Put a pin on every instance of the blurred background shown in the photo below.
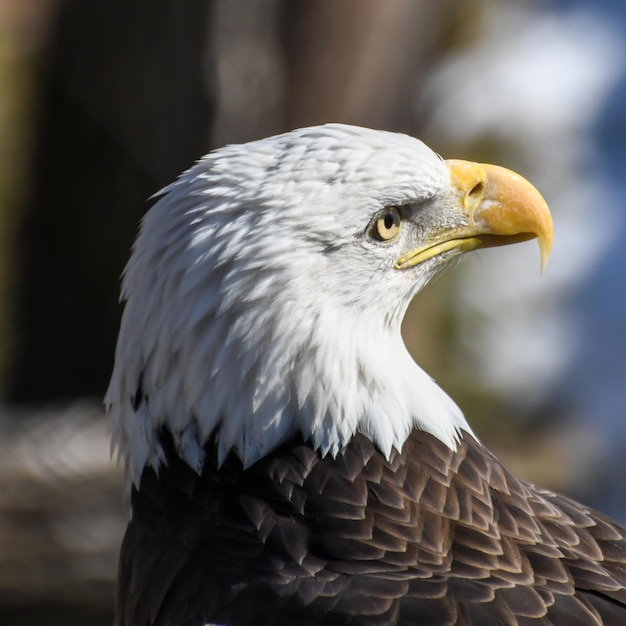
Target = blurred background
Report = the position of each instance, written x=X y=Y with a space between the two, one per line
x=103 y=102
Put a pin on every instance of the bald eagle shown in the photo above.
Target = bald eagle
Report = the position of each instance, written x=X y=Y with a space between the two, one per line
x=289 y=463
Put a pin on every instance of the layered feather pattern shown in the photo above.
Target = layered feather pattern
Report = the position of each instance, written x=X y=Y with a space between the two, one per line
x=428 y=536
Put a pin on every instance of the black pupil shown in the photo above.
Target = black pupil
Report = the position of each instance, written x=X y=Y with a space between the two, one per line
x=390 y=220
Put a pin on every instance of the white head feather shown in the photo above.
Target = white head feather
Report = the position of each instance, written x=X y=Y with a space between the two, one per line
x=258 y=306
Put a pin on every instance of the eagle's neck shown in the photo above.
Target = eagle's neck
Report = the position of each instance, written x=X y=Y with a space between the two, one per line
x=254 y=381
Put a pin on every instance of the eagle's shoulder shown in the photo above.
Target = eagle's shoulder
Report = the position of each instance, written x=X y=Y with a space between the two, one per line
x=450 y=536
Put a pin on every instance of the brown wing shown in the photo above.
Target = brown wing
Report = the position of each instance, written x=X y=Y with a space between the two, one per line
x=430 y=536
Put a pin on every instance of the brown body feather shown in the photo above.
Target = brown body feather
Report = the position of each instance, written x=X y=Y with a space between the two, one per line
x=428 y=537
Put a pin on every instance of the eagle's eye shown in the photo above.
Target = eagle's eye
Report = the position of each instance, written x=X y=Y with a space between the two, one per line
x=387 y=225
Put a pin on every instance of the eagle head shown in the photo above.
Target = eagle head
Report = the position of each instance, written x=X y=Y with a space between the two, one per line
x=265 y=292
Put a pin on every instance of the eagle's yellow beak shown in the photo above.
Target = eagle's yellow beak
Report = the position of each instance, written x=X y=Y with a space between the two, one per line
x=496 y=206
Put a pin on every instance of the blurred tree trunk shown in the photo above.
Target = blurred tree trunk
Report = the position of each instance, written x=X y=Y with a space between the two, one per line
x=360 y=63
x=123 y=109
